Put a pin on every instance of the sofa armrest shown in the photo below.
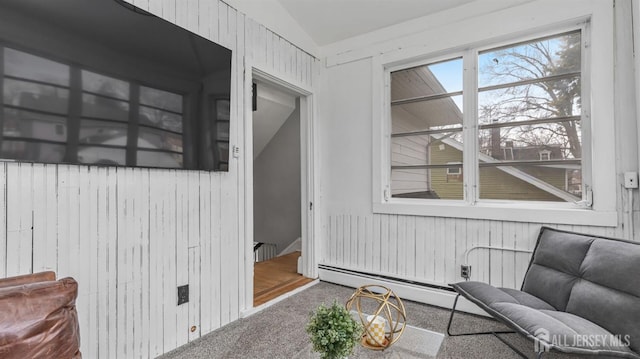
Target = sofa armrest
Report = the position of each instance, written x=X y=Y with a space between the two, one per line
x=39 y=320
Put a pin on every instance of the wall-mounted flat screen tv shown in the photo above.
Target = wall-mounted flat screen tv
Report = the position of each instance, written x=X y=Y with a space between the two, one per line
x=102 y=82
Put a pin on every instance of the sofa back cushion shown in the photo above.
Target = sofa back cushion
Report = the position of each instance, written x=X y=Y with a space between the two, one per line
x=555 y=266
x=593 y=277
x=608 y=292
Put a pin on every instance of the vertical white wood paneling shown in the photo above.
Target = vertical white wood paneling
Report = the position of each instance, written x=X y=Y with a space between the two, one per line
x=169 y=242
x=214 y=22
x=131 y=236
x=368 y=239
x=203 y=13
x=182 y=254
x=392 y=249
x=216 y=254
x=85 y=242
x=353 y=234
x=384 y=243
x=224 y=37
x=194 y=255
x=143 y=4
x=243 y=250
x=431 y=249
x=206 y=259
x=112 y=260
x=192 y=15
x=19 y=216
x=156 y=267
x=44 y=217
x=401 y=245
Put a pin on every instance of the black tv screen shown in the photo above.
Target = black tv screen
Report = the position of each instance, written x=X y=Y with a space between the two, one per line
x=104 y=83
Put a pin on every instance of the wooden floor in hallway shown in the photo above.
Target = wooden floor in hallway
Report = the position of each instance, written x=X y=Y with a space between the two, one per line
x=275 y=277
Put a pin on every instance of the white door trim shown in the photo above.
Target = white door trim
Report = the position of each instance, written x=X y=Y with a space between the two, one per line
x=307 y=165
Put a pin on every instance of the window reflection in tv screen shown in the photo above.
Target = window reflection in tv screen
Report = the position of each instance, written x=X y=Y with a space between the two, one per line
x=102 y=82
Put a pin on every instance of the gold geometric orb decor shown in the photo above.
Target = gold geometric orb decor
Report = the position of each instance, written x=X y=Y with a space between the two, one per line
x=382 y=315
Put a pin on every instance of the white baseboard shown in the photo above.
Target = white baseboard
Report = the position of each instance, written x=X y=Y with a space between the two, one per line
x=421 y=294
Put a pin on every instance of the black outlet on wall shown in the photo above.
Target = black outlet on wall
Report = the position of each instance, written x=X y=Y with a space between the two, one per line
x=183 y=294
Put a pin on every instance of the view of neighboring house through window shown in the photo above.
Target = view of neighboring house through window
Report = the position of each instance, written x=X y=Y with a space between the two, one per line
x=53 y=112
x=426 y=131
x=527 y=124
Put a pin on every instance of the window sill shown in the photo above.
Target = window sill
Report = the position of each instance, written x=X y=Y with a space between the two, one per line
x=501 y=211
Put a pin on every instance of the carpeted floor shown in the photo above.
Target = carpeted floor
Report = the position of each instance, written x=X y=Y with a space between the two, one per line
x=278 y=332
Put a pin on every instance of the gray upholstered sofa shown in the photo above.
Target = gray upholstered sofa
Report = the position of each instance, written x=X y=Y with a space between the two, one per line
x=580 y=295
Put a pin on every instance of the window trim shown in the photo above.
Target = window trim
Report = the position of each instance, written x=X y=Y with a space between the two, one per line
x=580 y=213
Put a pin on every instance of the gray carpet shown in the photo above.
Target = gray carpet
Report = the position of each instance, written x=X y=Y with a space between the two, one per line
x=278 y=332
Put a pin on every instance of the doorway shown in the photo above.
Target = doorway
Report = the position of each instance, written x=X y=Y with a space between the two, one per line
x=278 y=188
x=277 y=224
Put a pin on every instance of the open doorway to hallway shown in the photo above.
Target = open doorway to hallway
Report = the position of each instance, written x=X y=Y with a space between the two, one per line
x=277 y=188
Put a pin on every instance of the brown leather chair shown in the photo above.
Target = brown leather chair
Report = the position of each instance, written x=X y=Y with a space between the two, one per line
x=38 y=317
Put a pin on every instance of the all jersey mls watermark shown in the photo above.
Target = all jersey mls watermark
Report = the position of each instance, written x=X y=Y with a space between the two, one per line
x=545 y=340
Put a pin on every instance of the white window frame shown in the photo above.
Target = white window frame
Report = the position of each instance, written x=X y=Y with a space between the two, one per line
x=602 y=213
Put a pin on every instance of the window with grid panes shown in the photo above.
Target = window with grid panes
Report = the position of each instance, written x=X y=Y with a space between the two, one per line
x=527 y=98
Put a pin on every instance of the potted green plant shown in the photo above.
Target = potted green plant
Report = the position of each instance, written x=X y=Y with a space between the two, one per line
x=333 y=331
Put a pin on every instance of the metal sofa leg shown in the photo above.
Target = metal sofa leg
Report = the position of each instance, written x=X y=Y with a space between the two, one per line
x=494 y=333
x=455 y=303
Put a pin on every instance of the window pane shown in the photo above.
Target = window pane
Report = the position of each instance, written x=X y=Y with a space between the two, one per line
x=541 y=58
x=444 y=113
x=159 y=159
x=36 y=96
x=101 y=155
x=105 y=85
x=432 y=183
x=158 y=139
x=160 y=99
x=436 y=149
x=439 y=78
x=27 y=66
x=106 y=108
x=35 y=125
x=552 y=141
x=418 y=161
x=103 y=133
x=543 y=99
x=32 y=151
x=531 y=182
x=161 y=119
x=535 y=84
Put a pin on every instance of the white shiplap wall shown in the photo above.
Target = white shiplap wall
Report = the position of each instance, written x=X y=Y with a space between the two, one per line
x=431 y=249
x=131 y=236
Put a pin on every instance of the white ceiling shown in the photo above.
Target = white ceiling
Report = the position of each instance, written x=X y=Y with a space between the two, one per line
x=328 y=21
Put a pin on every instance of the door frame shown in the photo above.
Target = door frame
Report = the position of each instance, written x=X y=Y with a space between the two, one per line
x=307 y=176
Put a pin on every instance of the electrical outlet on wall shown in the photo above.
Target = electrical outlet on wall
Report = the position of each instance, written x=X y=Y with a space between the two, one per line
x=631 y=180
x=465 y=271
x=183 y=294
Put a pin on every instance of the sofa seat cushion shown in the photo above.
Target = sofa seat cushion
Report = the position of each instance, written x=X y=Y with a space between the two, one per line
x=539 y=321
x=485 y=294
x=562 y=331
